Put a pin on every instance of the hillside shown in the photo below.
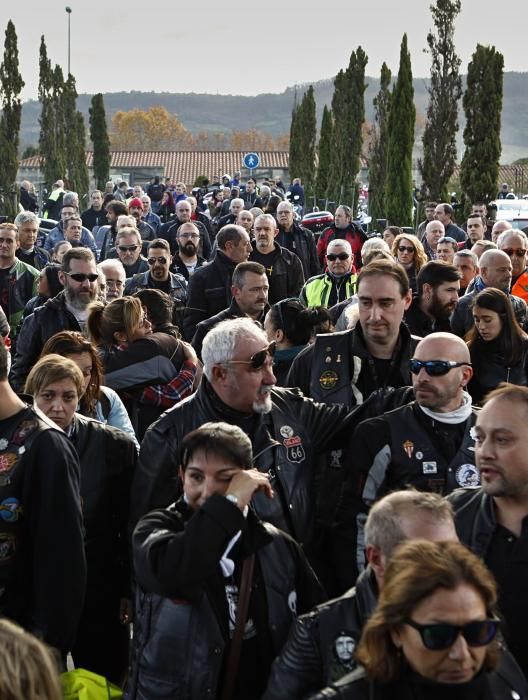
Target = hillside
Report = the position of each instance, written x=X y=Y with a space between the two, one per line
x=271 y=112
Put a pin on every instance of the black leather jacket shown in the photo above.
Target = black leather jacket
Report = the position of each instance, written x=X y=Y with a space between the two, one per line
x=315 y=654
x=301 y=241
x=180 y=640
x=284 y=444
x=45 y=321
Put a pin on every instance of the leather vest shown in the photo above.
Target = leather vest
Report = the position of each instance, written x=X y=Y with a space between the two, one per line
x=415 y=459
x=335 y=370
x=31 y=424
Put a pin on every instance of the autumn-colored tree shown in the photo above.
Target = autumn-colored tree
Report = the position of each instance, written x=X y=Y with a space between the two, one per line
x=153 y=130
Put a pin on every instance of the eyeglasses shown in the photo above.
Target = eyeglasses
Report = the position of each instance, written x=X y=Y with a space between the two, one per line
x=114 y=283
x=337 y=256
x=518 y=252
x=161 y=259
x=435 y=368
x=81 y=277
x=258 y=360
x=439 y=636
x=144 y=321
x=127 y=248
x=405 y=249
x=187 y=236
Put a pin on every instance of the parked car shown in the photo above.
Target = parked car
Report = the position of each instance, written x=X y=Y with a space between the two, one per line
x=510 y=209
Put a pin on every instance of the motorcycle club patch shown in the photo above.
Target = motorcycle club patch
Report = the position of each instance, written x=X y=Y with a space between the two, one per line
x=429 y=468
x=344 y=646
x=408 y=447
x=294 y=449
x=10 y=509
x=286 y=431
x=328 y=379
x=468 y=476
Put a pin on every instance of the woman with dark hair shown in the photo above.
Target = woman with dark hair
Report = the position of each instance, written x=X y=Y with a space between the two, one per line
x=409 y=252
x=291 y=325
x=390 y=233
x=99 y=402
x=48 y=286
x=150 y=371
x=167 y=207
x=433 y=634
x=497 y=344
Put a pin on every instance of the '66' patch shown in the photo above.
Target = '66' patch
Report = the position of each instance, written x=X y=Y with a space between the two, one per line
x=294 y=449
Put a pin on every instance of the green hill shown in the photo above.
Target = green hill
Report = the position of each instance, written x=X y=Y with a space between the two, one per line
x=271 y=112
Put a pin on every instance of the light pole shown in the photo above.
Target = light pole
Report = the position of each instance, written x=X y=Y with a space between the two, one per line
x=68 y=10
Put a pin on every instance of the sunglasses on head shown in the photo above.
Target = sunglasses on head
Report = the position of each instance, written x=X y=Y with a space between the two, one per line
x=337 y=256
x=406 y=249
x=435 y=368
x=439 y=636
x=81 y=277
x=518 y=252
x=258 y=360
x=127 y=248
x=161 y=259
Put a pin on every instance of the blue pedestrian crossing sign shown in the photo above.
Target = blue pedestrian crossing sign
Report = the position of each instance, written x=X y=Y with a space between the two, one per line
x=251 y=161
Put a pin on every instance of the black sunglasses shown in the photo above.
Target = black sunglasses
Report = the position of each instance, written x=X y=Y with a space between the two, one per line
x=162 y=260
x=81 y=277
x=518 y=252
x=435 y=368
x=335 y=256
x=441 y=635
x=127 y=248
x=258 y=360
x=406 y=249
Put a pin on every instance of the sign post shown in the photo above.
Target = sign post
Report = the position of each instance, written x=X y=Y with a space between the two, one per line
x=251 y=161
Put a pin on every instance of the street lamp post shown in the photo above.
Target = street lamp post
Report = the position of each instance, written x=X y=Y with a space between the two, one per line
x=68 y=10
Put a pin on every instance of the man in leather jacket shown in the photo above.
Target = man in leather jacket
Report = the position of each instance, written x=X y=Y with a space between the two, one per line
x=286 y=429
x=427 y=443
x=491 y=521
x=190 y=562
x=321 y=644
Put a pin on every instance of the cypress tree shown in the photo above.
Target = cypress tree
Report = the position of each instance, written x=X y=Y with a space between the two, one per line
x=295 y=155
x=482 y=102
x=308 y=133
x=398 y=186
x=47 y=138
x=348 y=109
x=326 y=145
x=100 y=140
x=11 y=85
x=75 y=143
x=378 y=157
x=445 y=90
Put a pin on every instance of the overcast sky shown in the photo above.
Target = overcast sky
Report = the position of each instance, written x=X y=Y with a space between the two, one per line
x=248 y=47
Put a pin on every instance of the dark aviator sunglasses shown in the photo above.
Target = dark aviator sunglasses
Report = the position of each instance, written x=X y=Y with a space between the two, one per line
x=435 y=368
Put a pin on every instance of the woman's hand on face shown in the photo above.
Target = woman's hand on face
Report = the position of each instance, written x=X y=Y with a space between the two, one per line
x=247 y=482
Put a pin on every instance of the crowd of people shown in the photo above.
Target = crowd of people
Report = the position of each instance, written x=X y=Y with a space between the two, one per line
x=242 y=461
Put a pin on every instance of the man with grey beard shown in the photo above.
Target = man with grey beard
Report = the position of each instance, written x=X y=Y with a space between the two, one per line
x=67 y=311
x=286 y=429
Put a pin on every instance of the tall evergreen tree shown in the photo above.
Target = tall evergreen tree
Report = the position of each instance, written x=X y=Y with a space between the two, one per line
x=59 y=102
x=47 y=139
x=482 y=104
x=378 y=156
x=295 y=155
x=308 y=127
x=100 y=140
x=325 y=149
x=398 y=187
x=445 y=90
x=75 y=143
x=11 y=85
x=348 y=108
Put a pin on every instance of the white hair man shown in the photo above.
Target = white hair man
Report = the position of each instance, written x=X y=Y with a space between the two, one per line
x=115 y=275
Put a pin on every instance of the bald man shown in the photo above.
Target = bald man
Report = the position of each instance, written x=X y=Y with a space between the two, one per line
x=495 y=270
x=427 y=443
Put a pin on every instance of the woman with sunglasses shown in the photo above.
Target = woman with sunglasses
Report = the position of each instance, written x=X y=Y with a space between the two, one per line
x=433 y=635
x=410 y=253
x=290 y=325
x=497 y=344
x=150 y=371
